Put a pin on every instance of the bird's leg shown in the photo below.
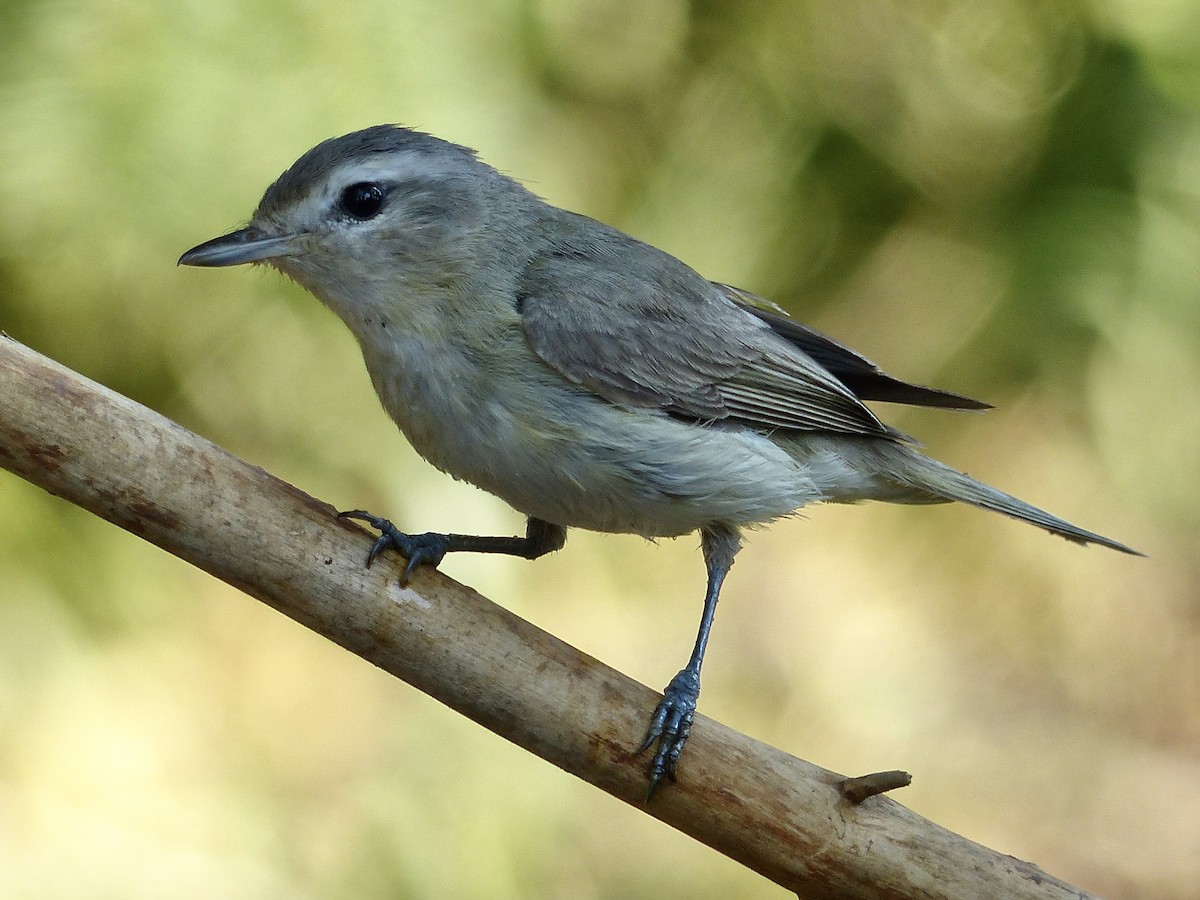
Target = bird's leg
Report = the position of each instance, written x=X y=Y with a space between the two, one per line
x=428 y=549
x=672 y=720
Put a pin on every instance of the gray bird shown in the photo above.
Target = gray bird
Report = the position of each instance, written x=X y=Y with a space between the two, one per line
x=588 y=379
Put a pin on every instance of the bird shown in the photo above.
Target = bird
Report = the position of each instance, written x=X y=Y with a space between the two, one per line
x=587 y=378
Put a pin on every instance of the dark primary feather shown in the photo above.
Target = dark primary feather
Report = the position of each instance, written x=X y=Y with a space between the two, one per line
x=638 y=327
x=863 y=377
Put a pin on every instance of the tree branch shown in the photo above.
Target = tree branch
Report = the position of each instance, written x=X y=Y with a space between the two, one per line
x=785 y=818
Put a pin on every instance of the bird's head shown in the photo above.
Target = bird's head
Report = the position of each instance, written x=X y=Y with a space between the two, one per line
x=386 y=208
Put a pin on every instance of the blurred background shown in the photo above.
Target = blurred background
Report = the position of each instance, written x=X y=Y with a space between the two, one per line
x=1000 y=199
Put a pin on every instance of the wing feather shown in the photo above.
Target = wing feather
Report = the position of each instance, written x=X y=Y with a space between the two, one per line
x=638 y=327
x=858 y=373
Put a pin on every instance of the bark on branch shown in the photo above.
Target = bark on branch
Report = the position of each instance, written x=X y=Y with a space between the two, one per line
x=779 y=815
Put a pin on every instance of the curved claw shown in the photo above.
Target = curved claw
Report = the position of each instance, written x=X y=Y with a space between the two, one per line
x=423 y=550
x=419 y=549
x=383 y=543
x=671 y=725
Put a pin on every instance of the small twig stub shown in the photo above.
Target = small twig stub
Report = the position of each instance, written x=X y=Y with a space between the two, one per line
x=858 y=789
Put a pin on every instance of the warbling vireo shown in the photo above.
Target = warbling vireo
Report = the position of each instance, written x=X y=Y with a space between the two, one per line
x=588 y=379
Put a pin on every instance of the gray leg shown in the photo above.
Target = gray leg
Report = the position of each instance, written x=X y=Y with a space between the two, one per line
x=429 y=548
x=672 y=720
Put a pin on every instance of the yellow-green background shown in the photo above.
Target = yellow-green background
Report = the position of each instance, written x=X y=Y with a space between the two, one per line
x=1000 y=198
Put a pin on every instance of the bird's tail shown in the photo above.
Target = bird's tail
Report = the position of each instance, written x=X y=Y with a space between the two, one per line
x=940 y=482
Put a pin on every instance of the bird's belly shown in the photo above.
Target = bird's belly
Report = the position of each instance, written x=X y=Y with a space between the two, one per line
x=579 y=461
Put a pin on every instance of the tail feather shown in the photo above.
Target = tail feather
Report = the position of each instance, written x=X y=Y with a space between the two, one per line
x=943 y=482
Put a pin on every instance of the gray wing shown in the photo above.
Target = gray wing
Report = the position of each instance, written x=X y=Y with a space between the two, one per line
x=638 y=327
x=855 y=371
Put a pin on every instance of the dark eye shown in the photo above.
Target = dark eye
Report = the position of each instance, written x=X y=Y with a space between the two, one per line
x=363 y=200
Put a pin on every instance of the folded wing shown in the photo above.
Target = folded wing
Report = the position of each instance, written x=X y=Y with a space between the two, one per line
x=638 y=327
x=855 y=371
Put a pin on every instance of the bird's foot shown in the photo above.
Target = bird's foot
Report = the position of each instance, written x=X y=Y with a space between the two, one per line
x=670 y=726
x=419 y=549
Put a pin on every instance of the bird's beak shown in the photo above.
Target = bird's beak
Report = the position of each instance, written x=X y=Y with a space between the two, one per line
x=246 y=245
